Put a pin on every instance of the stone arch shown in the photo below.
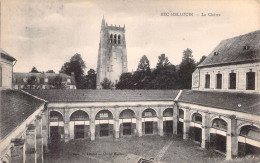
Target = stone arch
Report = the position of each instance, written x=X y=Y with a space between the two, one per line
x=80 y=115
x=104 y=112
x=153 y=112
x=219 y=123
x=57 y=114
x=100 y=109
x=155 y=109
x=129 y=113
x=196 y=117
x=168 y=112
x=6 y=158
x=239 y=127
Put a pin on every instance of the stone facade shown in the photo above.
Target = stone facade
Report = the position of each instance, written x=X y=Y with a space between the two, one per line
x=112 y=57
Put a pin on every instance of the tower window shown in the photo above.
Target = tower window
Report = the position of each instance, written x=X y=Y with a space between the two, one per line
x=250 y=80
x=219 y=81
x=107 y=69
x=232 y=80
x=115 y=38
x=111 y=69
x=119 y=39
x=0 y=76
x=207 y=79
x=111 y=38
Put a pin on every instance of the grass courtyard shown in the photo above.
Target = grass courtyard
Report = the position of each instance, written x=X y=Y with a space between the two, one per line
x=156 y=148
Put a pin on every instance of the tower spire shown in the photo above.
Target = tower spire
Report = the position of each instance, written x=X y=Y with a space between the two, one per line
x=103 y=21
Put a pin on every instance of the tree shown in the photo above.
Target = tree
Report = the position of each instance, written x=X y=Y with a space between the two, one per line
x=50 y=71
x=202 y=59
x=34 y=70
x=76 y=65
x=31 y=83
x=144 y=64
x=125 y=81
x=89 y=82
x=162 y=61
x=107 y=84
x=187 y=67
x=57 y=83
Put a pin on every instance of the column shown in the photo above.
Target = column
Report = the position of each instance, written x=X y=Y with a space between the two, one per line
x=44 y=131
x=66 y=125
x=205 y=130
x=186 y=124
x=31 y=144
x=92 y=125
x=17 y=150
x=139 y=124
x=116 y=123
x=232 y=142
x=39 y=142
x=175 y=119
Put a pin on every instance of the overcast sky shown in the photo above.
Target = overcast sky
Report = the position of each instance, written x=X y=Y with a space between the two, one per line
x=46 y=33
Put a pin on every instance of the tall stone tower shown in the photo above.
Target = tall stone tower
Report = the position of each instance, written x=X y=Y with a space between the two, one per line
x=112 y=58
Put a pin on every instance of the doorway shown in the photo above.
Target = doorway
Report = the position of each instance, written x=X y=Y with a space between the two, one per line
x=127 y=128
x=104 y=130
x=148 y=127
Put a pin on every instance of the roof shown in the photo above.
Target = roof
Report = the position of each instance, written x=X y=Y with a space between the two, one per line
x=7 y=56
x=19 y=76
x=242 y=102
x=233 y=51
x=105 y=95
x=16 y=107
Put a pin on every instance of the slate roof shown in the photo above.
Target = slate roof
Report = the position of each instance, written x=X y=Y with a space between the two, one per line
x=7 y=56
x=16 y=107
x=104 y=95
x=233 y=51
x=242 y=102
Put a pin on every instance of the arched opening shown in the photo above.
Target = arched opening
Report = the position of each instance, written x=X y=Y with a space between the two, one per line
x=104 y=123
x=180 y=123
x=218 y=140
x=195 y=130
x=127 y=121
x=56 y=129
x=115 y=39
x=119 y=39
x=111 y=38
x=149 y=124
x=250 y=137
x=168 y=121
x=79 y=122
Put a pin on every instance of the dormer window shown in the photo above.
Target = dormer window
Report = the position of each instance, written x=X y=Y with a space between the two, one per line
x=246 y=47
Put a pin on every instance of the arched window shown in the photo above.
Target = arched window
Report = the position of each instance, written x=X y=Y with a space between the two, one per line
x=250 y=131
x=119 y=39
x=219 y=124
x=181 y=113
x=125 y=114
x=115 y=38
x=104 y=114
x=148 y=113
x=111 y=38
x=79 y=116
x=55 y=116
x=197 y=118
x=168 y=112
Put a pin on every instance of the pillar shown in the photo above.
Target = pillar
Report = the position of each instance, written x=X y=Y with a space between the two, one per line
x=31 y=144
x=66 y=125
x=92 y=125
x=116 y=123
x=39 y=141
x=44 y=131
x=17 y=150
x=139 y=124
x=186 y=123
x=232 y=142
x=175 y=119
x=205 y=130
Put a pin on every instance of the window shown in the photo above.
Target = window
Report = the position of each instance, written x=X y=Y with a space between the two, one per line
x=103 y=115
x=207 y=79
x=0 y=76
x=115 y=39
x=107 y=69
x=232 y=80
x=219 y=124
x=219 y=81
x=250 y=80
x=148 y=114
x=119 y=39
x=197 y=118
x=111 y=38
x=181 y=113
x=111 y=68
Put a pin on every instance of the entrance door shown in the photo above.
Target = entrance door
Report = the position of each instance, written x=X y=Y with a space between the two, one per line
x=104 y=130
x=218 y=142
x=127 y=128
x=197 y=134
x=79 y=131
x=180 y=129
x=169 y=127
x=148 y=127
x=54 y=133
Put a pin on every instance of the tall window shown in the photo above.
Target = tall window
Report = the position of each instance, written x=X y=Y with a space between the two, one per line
x=219 y=81
x=1 y=77
x=119 y=39
x=232 y=80
x=111 y=38
x=207 y=79
x=250 y=80
x=115 y=38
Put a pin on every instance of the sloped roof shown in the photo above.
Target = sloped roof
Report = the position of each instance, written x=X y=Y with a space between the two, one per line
x=16 y=107
x=242 y=102
x=104 y=95
x=7 y=56
x=233 y=51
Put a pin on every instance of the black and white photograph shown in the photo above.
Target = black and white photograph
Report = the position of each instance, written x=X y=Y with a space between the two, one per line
x=138 y=81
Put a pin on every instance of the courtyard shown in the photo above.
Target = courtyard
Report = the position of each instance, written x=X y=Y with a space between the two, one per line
x=155 y=148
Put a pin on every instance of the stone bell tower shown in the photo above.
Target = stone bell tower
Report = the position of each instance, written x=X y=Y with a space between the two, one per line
x=112 y=58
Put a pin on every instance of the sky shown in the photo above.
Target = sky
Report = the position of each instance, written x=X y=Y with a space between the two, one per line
x=47 y=33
